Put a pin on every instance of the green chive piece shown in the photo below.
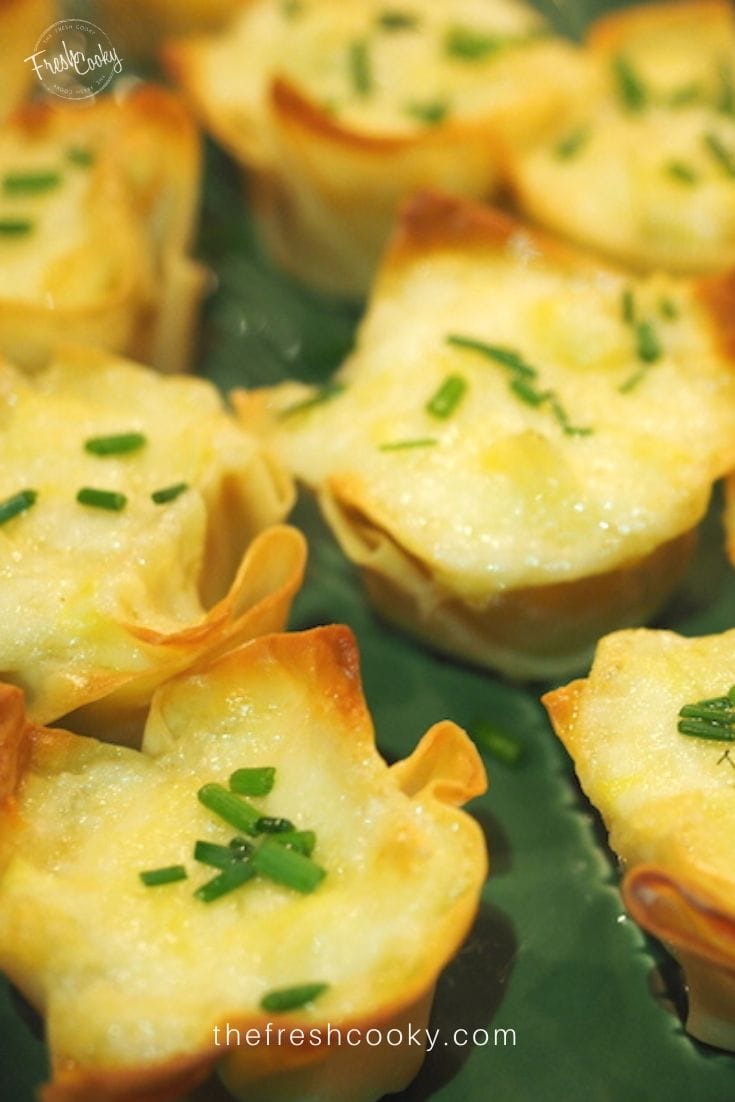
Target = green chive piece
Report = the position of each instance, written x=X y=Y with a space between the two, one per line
x=253 y=782
x=679 y=170
x=154 y=877
x=240 y=847
x=228 y=806
x=30 y=183
x=683 y=96
x=499 y=744
x=724 y=157
x=17 y=503
x=631 y=90
x=80 y=156
x=303 y=841
x=221 y=857
x=102 y=499
x=726 y=98
x=710 y=712
x=668 y=309
x=648 y=344
x=528 y=393
x=627 y=306
x=469 y=44
x=445 y=400
x=234 y=876
x=403 y=445
x=505 y=356
x=324 y=394
x=286 y=866
x=431 y=113
x=633 y=380
x=270 y=824
x=291 y=8
x=393 y=20
x=169 y=493
x=572 y=143
x=361 y=73
x=567 y=427
x=119 y=444
x=292 y=998
x=698 y=728
x=15 y=227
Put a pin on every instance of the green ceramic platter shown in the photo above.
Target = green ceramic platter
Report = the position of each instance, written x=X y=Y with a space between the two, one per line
x=592 y=1002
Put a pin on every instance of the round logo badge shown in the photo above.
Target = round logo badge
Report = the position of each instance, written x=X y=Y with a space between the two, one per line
x=74 y=59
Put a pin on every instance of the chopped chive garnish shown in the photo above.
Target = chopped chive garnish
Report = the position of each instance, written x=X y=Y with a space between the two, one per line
x=631 y=90
x=648 y=344
x=469 y=44
x=169 y=875
x=102 y=499
x=633 y=380
x=221 y=857
x=726 y=97
x=521 y=380
x=724 y=157
x=445 y=400
x=505 y=356
x=234 y=876
x=286 y=866
x=270 y=824
x=432 y=112
x=169 y=493
x=15 y=227
x=324 y=394
x=361 y=73
x=15 y=504
x=567 y=427
x=303 y=841
x=668 y=309
x=572 y=143
x=80 y=156
x=402 y=445
x=683 y=96
x=679 y=170
x=291 y=8
x=240 y=847
x=292 y=998
x=710 y=719
x=229 y=807
x=499 y=744
x=30 y=183
x=253 y=782
x=119 y=444
x=627 y=306
x=393 y=20
x=528 y=392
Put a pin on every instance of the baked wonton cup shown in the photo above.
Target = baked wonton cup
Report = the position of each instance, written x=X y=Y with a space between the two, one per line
x=101 y=602
x=21 y=22
x=642 y=167
x=145 y=990
x=340 y=110
x=666 y=798
x=95 y=228
x=522 y=442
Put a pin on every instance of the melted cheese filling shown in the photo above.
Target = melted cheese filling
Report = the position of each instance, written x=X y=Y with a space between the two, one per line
x=504 y=498
x=128 y=973
x=82 y=236
x=625 y=189
x=405 y=69
x=69 y=574
x=666 y=797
